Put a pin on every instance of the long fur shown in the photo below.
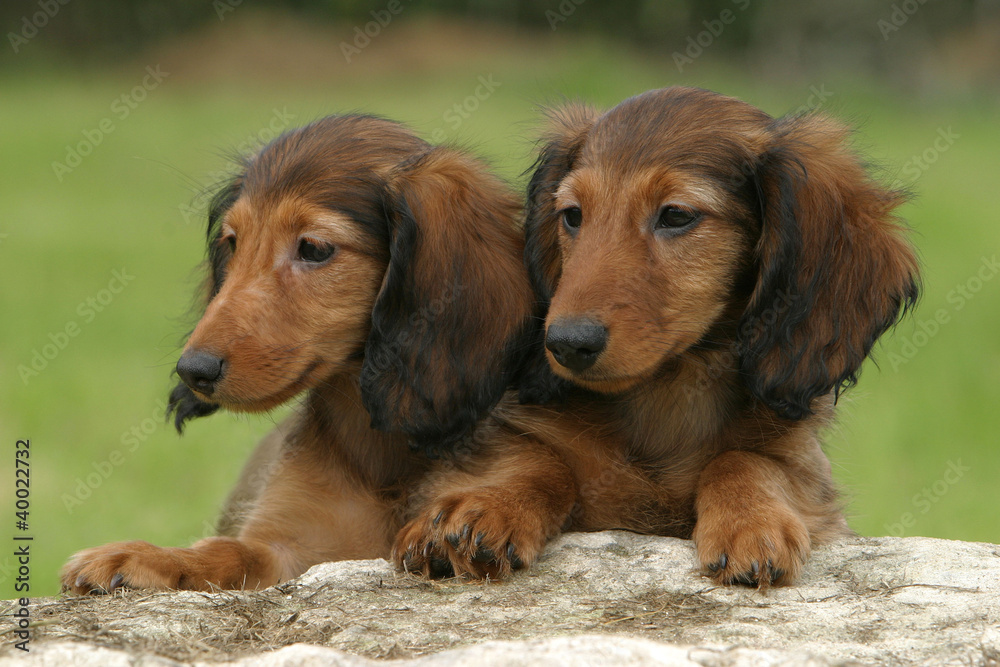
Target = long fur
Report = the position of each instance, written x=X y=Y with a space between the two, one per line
x=396 y=346
x=728 y=342
x=740 y=268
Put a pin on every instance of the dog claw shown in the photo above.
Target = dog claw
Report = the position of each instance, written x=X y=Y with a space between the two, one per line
x=515 y=561
x=116 y=582
x=441 y=568
x=483 y=555
x=719 y=564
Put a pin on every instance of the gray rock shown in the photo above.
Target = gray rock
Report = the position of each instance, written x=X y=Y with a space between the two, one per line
x=610 y=598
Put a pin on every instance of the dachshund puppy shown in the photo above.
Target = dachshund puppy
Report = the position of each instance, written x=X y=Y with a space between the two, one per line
x=381 y=276
x=709 y=278
x=714 y=278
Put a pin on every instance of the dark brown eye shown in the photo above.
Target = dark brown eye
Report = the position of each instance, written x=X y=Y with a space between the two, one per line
x=312 y=251
x=231 y=241
x=676 y=218
x=572 y=219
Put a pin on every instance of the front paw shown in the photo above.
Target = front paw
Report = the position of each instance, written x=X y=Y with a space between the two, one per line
x=135 y=564
x=479 y=535
x=762 y=547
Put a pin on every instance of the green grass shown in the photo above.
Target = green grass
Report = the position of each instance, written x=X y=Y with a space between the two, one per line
x=122 y=208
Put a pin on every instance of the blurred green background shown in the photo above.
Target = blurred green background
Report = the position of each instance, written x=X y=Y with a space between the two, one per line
x=116 y=117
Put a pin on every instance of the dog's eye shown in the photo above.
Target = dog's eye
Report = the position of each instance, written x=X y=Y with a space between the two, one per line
x=310 y=251
x=230 y=239
x=675 y=218
x=572 y=219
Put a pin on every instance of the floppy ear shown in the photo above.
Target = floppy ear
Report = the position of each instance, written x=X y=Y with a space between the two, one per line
x=449 y=320
x=834 y=269
x=183 y=404
x=567 y=130
x=566 y=133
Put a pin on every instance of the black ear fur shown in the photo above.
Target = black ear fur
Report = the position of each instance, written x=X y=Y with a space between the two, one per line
x=454 y=305
x=568 y=130
x=183 y=404
x=218 y=253
x=834 y=270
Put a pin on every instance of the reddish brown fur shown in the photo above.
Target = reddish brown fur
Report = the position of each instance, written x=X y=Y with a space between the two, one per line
x=726 y=343
x=442 y=285
x=726 y=347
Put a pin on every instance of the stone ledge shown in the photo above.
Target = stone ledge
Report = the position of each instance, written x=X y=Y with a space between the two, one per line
x=598 y=598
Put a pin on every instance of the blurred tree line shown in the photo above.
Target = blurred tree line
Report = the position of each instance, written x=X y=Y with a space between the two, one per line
x=773 y=34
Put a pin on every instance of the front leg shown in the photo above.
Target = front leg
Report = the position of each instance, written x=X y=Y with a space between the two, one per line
x=489 y=518
x=310 y=511
x=215 y=562
x=758 y=517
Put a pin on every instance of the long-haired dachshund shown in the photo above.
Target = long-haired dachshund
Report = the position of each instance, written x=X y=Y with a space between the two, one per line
x=709 y=277
x=714 y=277
x=352 y=261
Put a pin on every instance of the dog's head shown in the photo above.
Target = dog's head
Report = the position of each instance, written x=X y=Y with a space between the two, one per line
x=352 y=246
x=681 y=215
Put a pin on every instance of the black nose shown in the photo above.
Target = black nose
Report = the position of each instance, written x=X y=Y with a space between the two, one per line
x=576 y=343
x=199 y=370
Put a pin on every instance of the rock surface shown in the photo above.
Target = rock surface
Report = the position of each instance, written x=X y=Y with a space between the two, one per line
x=609 y=598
